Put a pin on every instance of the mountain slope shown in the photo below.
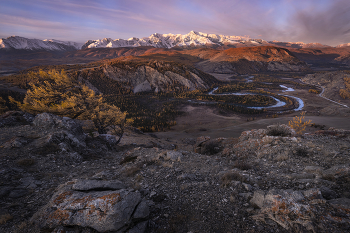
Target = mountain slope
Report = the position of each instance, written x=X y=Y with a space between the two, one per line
x=17 y=42
x=252 y=60
x=156 y=40
x=135 y=75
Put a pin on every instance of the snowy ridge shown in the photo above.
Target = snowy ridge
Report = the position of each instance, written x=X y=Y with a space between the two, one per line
x=167 y=40
x=343 y=45
x=155 y=40
x=298 y=45
x=17 y=42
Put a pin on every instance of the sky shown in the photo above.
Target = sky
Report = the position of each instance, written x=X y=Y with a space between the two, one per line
x=322 y=21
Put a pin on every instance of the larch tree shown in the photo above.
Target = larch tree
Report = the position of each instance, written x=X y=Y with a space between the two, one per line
x=55 y=92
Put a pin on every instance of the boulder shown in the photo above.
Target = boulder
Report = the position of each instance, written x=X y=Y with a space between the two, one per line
x=50 y=121
x=173 y=156
x=79 y=203
x=108 y=138
x=13 y=118
x=287 y=208
x=62 y=132
x=341 y=203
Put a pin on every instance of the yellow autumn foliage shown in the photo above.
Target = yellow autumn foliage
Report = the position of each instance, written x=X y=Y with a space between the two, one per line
x=55 y=92
x=299 y=124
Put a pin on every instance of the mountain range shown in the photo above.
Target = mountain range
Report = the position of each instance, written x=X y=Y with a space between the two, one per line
x=155 y=40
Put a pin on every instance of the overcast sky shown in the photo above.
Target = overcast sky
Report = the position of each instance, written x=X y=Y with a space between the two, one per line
x=323 y=21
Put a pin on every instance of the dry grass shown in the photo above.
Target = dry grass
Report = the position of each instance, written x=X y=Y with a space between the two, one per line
x=131 y=170
x=242 y=165
x=278 y=130
x=4 y=218
x=25 y=162
x=227 y=178
x=128 y=159
x=282 y=157
x=48 y=149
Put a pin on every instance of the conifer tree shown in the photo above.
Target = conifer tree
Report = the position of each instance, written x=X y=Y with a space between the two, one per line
x=3 y=107
x=55 y=92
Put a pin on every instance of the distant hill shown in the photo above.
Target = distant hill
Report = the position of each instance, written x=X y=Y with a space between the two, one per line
x=252 y=60
x=137 y=74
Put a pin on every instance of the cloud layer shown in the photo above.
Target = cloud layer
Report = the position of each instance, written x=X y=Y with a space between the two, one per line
x=323 y=21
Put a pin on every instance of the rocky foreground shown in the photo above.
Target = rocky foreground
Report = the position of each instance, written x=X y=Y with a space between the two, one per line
x=56 y=178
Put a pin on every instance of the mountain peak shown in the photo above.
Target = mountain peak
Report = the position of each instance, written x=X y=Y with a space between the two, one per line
x=157 y=40
x=18 y=42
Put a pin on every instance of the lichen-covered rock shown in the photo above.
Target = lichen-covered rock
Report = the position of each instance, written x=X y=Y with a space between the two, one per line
x=295 y=210
x=276 y=140
x=105 y=211
x=85 y=185
x=50 y=121
x=252 y=134
x=63 y=132
x=173 y=156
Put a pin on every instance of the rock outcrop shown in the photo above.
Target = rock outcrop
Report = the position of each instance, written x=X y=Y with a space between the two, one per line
x=101 y=205
x=267 y=180
x=153 y=76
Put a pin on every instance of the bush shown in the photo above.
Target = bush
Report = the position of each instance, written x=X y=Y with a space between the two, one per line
x=227 y=178
x=212 y=147
x=279 y=130
x=299 y=124
x=314 y=91
x=301 y=152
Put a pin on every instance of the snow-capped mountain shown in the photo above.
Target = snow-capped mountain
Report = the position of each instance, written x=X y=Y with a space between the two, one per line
x=298 y=45
x=167 y=40
x=17 y=42
x=343 y=45
x=155 y=40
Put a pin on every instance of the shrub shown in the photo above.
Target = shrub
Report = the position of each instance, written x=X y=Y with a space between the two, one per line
x=212 y=147
x=242 y=165
x=299 y=124
x=344 y=94
x=314 y=91
x=279 y=130
x=3 y=107
x=228 y=177
x=26 y=162
x=301 y=151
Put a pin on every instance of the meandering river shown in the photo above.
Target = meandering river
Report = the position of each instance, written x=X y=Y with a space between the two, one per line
x=279 y=103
